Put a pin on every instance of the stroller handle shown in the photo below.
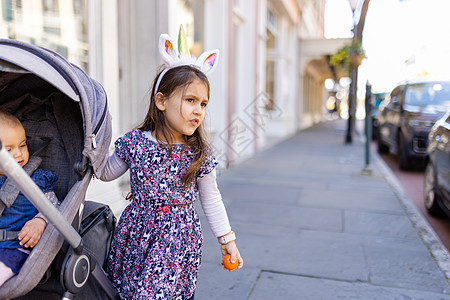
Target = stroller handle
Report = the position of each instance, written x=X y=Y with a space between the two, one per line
x=16 y=173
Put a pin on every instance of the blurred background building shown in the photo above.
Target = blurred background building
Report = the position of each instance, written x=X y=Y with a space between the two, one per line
x=269 y=82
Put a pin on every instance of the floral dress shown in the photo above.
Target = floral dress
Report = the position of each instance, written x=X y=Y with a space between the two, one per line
x=156 y=249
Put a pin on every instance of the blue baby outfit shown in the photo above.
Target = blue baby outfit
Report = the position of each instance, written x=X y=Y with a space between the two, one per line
x=14 y=217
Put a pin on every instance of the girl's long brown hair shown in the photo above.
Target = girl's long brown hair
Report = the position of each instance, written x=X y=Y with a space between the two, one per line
x=178 y=77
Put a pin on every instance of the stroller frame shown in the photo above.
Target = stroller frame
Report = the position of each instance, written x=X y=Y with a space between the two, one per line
x=87 y=96
x=80 y=263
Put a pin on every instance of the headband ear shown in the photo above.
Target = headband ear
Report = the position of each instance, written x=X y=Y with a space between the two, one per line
x=168 y=52
x=208 y=61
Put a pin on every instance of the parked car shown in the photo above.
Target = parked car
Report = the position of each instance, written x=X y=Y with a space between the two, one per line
x=406 y=118
x=437 y=171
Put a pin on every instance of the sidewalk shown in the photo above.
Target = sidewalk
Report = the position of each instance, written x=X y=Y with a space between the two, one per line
x=310 y=226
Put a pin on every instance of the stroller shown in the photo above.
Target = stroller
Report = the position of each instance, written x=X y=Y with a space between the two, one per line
x=66 y=119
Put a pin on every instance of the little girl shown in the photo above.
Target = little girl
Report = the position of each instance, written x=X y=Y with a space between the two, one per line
x=19 y=219
x=157 y=247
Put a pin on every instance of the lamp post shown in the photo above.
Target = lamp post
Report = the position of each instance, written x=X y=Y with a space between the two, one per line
x=353 y=85
x=357 y=36
x=367 y=170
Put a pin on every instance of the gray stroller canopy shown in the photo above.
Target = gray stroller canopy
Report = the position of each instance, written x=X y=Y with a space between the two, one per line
x=18 y=58
x=65 y=112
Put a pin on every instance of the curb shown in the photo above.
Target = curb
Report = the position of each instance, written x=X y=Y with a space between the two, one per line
x=423 y=228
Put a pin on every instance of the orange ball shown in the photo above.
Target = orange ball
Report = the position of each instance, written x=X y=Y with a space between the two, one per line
x=228 y=264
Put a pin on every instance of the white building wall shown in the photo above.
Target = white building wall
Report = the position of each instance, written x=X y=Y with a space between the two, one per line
x=124 y=58
x=291 y=89
x=240 y=124
x=244 y=134
x=215 y=37
x=31 y=20
x=281 y=121
x=260 y=74
x=140 y=24
x=110 y=58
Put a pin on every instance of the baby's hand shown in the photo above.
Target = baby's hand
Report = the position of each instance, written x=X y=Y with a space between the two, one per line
x=31 y=232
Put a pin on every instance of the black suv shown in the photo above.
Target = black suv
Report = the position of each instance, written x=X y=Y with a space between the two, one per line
x=407 y=117
x=437 y=173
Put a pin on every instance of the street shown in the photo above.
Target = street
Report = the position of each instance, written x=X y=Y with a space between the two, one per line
x=412 y=183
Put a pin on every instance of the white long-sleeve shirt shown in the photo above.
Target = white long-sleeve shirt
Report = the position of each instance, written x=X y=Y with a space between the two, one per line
x=210 y=197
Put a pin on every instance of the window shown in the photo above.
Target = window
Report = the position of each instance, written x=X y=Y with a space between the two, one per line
x=50 y=5
x=271 y=46
x=72 y=43
x=270 y=84
x=428 y=94
x=271 y=20
x=395 y=97
x=51 y=17
x=7 y=12
x=80 y=14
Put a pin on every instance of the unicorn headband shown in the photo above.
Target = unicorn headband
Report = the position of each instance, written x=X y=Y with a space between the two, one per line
x=172 y=57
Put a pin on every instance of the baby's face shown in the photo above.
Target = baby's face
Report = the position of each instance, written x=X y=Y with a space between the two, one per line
x=15 y=141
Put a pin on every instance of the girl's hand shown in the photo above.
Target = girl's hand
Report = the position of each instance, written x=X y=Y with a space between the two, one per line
x=31 y=232
x=232 y=249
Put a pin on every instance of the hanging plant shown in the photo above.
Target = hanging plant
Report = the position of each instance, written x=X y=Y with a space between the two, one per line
x=349 y=56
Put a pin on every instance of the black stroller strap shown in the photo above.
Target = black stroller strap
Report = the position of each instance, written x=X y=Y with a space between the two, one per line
x=9 y=191
x=8 y=235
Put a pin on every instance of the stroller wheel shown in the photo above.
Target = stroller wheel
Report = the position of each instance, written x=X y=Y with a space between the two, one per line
x=76 y=272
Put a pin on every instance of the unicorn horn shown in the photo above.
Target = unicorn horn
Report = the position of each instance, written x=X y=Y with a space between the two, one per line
x=183 y=49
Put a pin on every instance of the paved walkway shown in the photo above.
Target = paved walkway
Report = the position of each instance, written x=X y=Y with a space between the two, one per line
x=311 y=226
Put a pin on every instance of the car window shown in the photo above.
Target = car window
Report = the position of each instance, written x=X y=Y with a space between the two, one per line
x=428 y=94
x=394 y=100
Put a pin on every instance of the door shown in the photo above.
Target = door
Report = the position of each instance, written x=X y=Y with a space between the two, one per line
x=442 y=138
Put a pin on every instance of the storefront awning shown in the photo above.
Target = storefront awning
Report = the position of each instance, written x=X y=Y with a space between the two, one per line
x=314 y=52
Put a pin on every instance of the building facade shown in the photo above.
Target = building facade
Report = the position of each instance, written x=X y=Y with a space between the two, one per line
x=269 y=82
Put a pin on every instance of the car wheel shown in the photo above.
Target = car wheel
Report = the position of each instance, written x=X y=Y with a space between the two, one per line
x=375 y=130
x=405 y=164
x=429 y=191
x=382 y=147
x=374 y=133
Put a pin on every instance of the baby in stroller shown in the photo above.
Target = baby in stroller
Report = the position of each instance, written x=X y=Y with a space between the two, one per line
x=20 y=223
x=65 y=116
